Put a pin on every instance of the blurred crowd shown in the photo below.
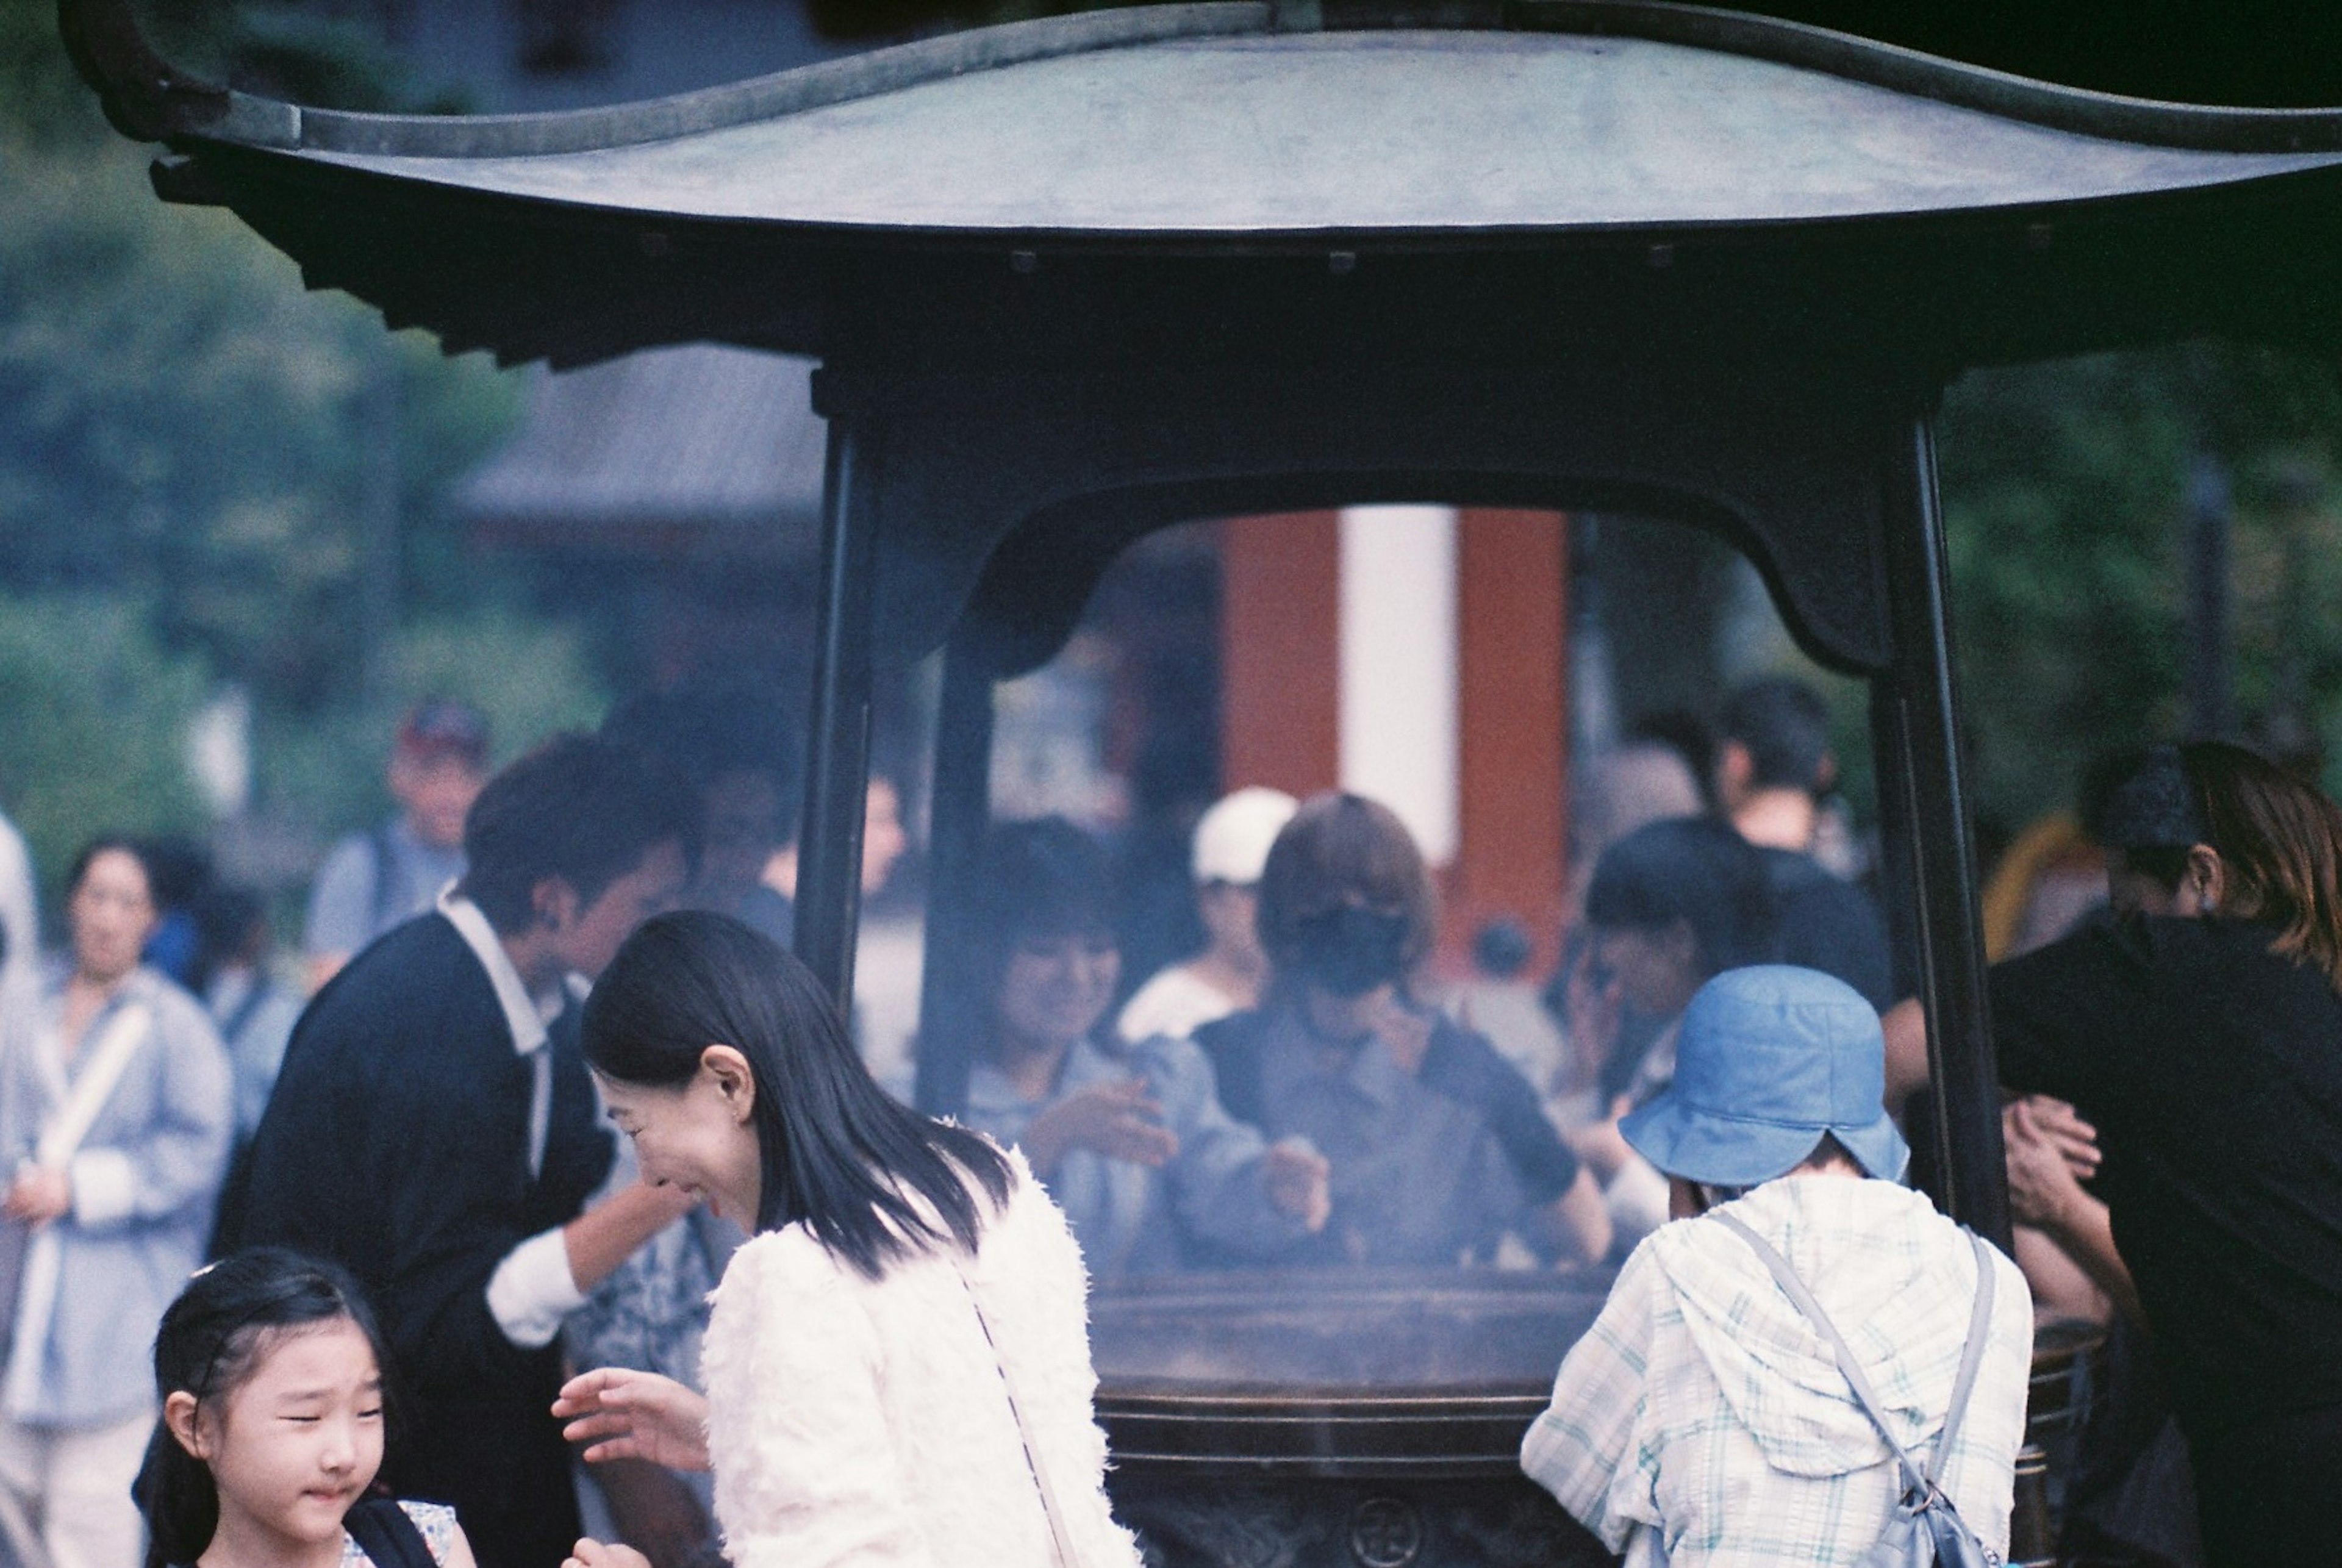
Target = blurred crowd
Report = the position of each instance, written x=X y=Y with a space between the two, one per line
x=1307 y=1087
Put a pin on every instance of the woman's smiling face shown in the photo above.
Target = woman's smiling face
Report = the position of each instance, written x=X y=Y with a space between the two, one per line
x=698 y=1135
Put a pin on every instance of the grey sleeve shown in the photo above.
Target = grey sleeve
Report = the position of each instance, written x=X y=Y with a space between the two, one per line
x=20 y=918
x=341 y=901
x=1216 y=1189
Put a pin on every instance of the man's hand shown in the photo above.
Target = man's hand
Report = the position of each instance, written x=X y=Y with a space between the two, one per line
x=1299 y=1182
x=1117 y=1120
x=624 y=1414
x=38 y=1195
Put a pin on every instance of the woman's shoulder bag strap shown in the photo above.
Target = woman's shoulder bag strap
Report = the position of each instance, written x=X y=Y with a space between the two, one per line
x=1060 y=1537
x=1971 y=1354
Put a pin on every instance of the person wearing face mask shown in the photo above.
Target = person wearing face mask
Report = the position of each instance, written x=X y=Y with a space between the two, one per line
x=1437 y=1146
x=1130 y=1139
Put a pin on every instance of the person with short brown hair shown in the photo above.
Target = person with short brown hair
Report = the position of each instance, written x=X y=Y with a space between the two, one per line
x=1438 y=1148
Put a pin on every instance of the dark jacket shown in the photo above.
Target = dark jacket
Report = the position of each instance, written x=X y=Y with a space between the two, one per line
x=396 y=1143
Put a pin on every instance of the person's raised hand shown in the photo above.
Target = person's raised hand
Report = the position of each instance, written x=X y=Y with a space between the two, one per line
x=1117 y=1120
x=1299 y=1182
x=2043 y=1184
x=592 y=1553
x=622 y=1414
x=2074 y=1140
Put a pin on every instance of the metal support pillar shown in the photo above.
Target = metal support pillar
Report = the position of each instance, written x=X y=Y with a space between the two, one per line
x=1924 y=802
x=961 y=812
x=837 y=762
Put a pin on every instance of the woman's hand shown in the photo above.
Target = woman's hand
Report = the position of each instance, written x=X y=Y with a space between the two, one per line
x=626 y=1415
x=1117 y=1120
x=590 y=1554
x=2062 y=1127
x=2045 y=1171
x=1600 y=1148
x=1299 y=1182
x=38 y=1195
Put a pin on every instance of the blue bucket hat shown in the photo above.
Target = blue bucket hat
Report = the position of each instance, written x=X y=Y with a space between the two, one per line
x=1770 y=1058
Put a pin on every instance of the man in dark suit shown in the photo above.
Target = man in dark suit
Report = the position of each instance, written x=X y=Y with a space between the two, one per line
x=433 y=1133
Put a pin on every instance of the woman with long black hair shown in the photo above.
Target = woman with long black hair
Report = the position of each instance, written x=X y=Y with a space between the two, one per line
x=898 y=1364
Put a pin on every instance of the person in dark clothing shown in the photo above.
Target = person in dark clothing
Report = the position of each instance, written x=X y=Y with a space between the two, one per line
x=1773 y=767
x=2201 y=1031
x=432 y=1134
x=1438 y=1147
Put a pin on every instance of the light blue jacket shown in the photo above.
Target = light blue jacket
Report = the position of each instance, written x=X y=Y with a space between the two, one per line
x=1129 y=1219
x=145 y=1180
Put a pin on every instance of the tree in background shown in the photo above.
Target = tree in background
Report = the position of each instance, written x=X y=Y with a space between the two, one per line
x=186 y=442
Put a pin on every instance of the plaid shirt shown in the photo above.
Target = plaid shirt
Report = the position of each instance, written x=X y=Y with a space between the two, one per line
x=1702 y=1421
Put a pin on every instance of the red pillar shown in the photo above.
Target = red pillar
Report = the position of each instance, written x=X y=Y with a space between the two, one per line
x=1512 y=581
x=1280 y=634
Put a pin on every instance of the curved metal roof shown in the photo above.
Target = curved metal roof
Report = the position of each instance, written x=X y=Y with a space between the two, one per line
x=1228 y=130
x=1413 y=132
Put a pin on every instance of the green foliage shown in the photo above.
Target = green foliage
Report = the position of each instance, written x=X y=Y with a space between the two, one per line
x=530 y=678
x=2065 y=501
x=94 y=711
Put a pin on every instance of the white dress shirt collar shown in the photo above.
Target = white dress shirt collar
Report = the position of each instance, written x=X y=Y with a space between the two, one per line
x=521 y=1014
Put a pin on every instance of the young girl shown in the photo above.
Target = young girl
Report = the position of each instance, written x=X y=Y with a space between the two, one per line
x=269 y=1368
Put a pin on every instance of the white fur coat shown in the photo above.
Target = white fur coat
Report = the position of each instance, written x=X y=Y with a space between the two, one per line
x=860 y=1422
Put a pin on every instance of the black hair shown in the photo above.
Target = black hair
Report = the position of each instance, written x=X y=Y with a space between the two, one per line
x=577 y=808
x=874 y=1181
x=224 y=919
x=1691 y=869
x=1040 y=879
x=211 y=1341
x=1785 y=725
x=113 y=843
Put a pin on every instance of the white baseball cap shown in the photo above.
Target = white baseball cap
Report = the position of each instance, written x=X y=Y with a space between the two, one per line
x=1232 y=839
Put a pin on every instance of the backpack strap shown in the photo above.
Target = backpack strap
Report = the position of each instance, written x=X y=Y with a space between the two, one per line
x=1979 y=1320
x=387 y=1535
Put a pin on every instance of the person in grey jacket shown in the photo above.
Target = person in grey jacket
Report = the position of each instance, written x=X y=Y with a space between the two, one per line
x=1131 y=1140
x=110 y=1222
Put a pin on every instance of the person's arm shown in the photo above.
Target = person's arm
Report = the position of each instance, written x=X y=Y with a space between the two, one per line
x=178 y=1159
x=2045 y=1192
x=542 y=1280
x=1226 y=1188
x=1576 y=1225
x=1906 y=1024
x=1585 y=1449
x=341 y=908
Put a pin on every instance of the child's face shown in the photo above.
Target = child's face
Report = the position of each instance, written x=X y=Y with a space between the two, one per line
x=301 y=1440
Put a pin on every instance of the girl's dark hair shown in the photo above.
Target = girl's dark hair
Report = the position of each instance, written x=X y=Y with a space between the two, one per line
x=2281 y=841
x=211 y=1341
x=1033 y=880
x=1692 y=869
x=875 y=1182
x=1344 y=849
x=118 y=843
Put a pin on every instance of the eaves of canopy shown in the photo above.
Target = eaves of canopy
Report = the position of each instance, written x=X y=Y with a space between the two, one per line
x=1237 y=180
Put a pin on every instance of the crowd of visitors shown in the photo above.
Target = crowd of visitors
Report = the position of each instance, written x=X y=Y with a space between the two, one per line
x=774 y=1322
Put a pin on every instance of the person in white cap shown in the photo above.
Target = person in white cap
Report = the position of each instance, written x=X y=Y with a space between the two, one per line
x=1232 y=841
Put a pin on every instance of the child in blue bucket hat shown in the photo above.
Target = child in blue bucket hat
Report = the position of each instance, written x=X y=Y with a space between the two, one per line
x=1705 y=1418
